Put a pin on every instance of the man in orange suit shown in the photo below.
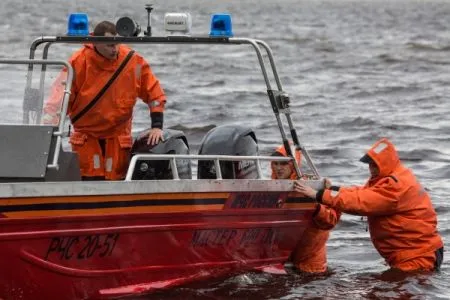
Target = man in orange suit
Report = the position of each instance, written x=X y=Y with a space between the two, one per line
x=102 y=131
x=401 y=217
x=310 y=255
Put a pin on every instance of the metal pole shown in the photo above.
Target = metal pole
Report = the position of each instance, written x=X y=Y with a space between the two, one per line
x=277 y=114
x=295 y=138
x=41 y=84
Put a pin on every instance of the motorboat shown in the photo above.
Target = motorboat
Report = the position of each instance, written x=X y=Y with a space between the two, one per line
x=64 y=238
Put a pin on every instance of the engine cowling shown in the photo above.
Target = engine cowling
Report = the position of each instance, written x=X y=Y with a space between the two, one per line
x=175 y=142
x=236 y=140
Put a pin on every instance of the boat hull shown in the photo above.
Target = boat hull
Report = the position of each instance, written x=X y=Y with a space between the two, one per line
x=62 y=248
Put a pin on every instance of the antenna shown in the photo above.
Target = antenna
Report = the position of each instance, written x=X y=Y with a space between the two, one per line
x=149 y=9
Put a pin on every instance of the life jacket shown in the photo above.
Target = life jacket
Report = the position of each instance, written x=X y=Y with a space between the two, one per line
x=401 y=217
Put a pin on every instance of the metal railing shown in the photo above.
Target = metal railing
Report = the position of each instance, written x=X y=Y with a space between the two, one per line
x=172 y=158
x=279 y=99
x=65 y=101
x=287 y=112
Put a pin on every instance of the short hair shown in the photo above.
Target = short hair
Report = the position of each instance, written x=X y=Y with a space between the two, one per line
x=103 y=27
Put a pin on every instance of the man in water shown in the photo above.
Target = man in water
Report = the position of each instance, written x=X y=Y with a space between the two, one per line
x=310 y=255
x=401 y=217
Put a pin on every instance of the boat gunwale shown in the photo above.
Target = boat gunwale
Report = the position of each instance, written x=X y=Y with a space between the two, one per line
x=136 y=187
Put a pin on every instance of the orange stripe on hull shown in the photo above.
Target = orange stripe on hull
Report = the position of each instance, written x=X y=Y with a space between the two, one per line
x=104 y=198
x=113 y=211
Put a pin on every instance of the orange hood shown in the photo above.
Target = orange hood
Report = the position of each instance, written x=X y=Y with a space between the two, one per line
x=103 y=63
x=385 y=156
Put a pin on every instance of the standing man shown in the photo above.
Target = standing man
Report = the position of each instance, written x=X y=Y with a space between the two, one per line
x=401 y=217
x=102 y=128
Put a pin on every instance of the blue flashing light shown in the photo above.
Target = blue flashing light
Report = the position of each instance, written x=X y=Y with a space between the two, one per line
x=78 y=24
x=221 y=25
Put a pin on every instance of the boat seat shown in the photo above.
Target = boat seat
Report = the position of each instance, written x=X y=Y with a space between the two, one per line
x=28 y=149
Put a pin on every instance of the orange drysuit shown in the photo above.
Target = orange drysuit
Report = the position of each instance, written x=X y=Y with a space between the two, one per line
x=401 y=217
x=310 y=253
x=102 y=136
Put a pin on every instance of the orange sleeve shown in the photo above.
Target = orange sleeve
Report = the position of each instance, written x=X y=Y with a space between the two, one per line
x=151 y=91
x=54 y=101
x=380 y=199
x=53 y=104
x=78 y=63
x=325 y=217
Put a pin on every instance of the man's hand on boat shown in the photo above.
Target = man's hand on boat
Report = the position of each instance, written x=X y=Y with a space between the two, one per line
x=155 y=135
x=300 y=186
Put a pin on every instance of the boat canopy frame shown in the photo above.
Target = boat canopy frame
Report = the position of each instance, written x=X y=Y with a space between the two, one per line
x=279 y=99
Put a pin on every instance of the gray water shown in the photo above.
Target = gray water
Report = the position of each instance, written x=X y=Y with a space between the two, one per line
x=355 y=70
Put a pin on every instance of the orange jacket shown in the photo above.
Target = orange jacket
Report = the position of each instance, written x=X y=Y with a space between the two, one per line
x=401 y=217
x=310 y=254
x=112 y=114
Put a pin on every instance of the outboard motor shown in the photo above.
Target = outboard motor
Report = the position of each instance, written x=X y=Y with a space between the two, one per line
x=229 y=140
x=175 y=142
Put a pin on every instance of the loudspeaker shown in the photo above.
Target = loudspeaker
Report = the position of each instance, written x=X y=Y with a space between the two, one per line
x=126 y=26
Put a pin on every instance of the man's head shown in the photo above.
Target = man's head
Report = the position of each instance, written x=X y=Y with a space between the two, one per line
x=281 y=169
x=382 y=158
x=373 y=168
x=284 y=169
x=108 y=51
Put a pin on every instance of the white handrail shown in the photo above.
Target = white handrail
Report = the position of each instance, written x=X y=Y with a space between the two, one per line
x=216 y=158
x=65 y=103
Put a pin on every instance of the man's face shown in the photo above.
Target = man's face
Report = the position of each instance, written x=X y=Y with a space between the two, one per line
x=109 y=51
x=282 y=169
x=374 y=171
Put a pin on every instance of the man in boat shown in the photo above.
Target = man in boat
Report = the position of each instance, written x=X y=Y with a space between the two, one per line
x=102 y=122
x=401 y=217
x=310 y=254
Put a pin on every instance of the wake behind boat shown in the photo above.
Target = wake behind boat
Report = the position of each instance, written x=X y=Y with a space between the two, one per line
x=64 y=238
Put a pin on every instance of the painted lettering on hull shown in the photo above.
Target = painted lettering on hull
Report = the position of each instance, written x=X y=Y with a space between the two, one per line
x=256 y=200
x=227 y=237
x=213 y=238
x=82 y=247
